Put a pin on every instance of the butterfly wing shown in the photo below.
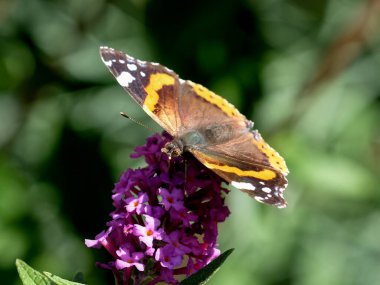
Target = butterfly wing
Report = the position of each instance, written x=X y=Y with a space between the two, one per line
x=249 y=164
x=154 y=87
x=200 y=107
x=231 y=149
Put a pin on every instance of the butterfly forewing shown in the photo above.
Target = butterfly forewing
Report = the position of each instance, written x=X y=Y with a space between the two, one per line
x=240 y=162
x=152 y=86
x=200 y=107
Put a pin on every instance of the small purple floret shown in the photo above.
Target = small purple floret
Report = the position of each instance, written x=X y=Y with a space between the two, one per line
x=166 y=216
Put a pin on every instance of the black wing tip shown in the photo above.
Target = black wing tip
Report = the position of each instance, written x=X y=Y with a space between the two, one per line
x=105 y=50
x=106 y=53
x=101 y=48
x=110 y=50
x=278 y=202
x=274 y=198
x=110 y=55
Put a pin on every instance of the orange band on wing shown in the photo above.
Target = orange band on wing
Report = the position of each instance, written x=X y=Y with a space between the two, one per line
x=156 y=82
x=275 y=160
x=265 y=174
x=211 y=97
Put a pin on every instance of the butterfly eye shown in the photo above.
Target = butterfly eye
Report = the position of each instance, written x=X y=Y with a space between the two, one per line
x=176 y=152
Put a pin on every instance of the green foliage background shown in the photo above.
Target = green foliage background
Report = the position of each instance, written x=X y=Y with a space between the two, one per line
x=307 y=73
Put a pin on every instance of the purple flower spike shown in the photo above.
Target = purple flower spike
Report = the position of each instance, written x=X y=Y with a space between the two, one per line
x=165 y=221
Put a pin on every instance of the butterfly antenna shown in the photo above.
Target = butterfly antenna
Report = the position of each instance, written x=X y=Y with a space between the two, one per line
x=136 y=121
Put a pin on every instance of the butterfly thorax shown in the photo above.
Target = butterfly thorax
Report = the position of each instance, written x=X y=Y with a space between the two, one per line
x=181 y=143
x=194 y=139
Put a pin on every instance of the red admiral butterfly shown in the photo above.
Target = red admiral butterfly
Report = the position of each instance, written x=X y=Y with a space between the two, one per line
x=205 y=124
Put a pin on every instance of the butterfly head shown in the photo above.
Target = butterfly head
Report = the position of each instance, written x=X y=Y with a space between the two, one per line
x=174 y=148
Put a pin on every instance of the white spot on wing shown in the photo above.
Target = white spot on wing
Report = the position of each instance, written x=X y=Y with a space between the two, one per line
x=259 y=199
x=142 y=73
x=125 y=78
x=131 y=66
x=108 y=62
x=122 y=61
x=243 y=185
x=266 y=189
x=141 y=62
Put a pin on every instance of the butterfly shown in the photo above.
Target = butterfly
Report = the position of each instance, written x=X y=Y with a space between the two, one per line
x=204 y=124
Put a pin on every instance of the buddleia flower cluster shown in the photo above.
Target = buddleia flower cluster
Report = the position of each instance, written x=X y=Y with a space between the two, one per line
x=165 y=223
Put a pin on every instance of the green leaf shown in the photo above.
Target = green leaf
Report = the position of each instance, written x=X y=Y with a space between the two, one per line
x=30 y=276
x=203 y=275
x=60 y=281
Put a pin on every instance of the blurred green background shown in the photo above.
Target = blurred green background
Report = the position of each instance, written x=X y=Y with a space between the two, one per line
x=307 y=73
